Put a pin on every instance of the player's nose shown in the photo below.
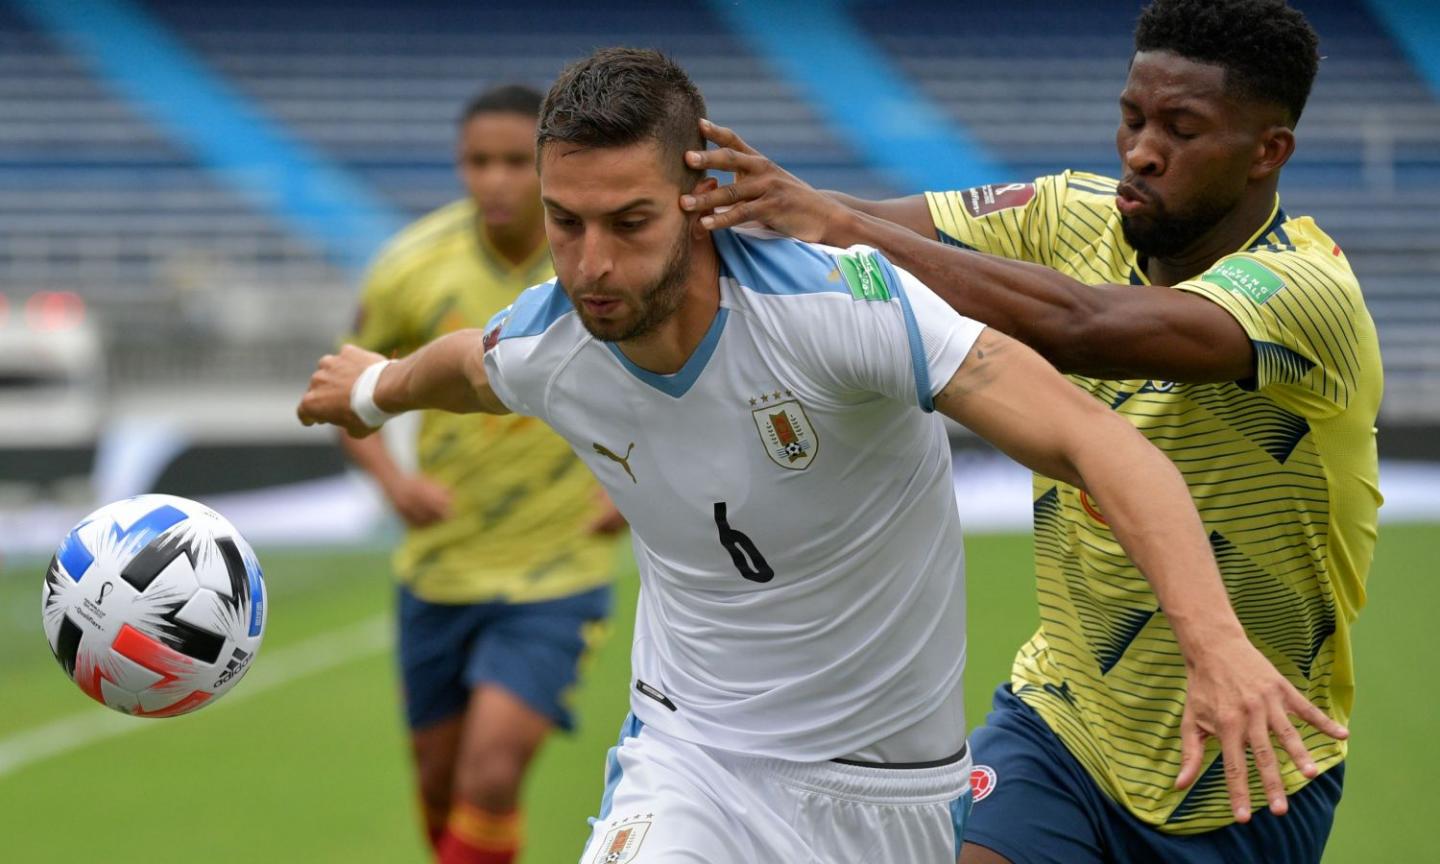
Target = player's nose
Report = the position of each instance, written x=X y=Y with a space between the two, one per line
x=1142 y=154
x=595 y=258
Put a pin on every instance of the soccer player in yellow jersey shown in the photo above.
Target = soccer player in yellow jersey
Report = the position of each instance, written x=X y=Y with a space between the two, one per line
x=505 y=566
x=1235 y=336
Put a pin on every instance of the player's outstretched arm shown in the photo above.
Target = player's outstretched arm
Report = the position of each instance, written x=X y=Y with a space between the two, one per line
x=1010 y=396
x=1102 y=331
x=447 y=375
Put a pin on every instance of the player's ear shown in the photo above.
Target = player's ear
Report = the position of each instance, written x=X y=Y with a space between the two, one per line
x=1272 y=151
x=708 y=184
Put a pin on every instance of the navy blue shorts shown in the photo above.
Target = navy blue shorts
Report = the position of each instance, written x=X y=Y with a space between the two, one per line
x=533 y=650
x=1035 y=804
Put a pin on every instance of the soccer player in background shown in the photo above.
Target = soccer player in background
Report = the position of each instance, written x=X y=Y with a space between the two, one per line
x=760 y=409
x=505 y=567
x=1235 y=336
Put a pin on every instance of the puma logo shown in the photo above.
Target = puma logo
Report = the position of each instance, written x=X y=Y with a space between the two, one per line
x=624 y=463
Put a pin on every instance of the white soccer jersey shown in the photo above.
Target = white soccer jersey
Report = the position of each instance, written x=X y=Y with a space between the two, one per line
x=789 y=493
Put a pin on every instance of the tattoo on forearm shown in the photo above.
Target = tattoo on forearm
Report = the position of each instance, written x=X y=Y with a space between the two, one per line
x=979 y=370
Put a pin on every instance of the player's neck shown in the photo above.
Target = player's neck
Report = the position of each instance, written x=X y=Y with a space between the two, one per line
x=1232 y=233
x=666 y=349
x=513 y=244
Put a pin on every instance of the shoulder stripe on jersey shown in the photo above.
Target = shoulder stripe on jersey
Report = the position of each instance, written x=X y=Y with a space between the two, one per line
x=1094 y=187
x=533 y=311
x=679 y=384
x=776 y=266
x=912 y=329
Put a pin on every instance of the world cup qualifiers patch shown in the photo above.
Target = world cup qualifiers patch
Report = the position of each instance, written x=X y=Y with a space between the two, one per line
x=863 y=277
x=492 y=338
x=984 y=200
x=622 y=842
x=1245 y=276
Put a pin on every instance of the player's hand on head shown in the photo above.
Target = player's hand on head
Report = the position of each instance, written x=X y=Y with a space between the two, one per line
x=1239 y=698
x=763 y=192
x=327 y=399
x=419 y=500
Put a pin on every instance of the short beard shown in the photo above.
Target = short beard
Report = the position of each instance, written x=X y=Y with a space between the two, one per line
x=1164 y=235
x=658 y=301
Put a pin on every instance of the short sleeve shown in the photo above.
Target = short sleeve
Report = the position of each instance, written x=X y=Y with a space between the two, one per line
x=895 y=336
x=502 y=356
x=1302 y=320
x=1012 y=220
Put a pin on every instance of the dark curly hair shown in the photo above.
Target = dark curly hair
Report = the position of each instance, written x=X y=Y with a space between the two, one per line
x=619 y=96
x=1269 y=51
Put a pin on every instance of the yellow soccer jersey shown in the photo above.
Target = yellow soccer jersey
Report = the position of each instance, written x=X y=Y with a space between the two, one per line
x=1282 y=470
x=521 y=498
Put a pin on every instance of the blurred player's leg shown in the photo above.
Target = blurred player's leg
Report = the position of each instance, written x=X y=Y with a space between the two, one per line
x=501 y=735
x=434 y=750
x=520 y=666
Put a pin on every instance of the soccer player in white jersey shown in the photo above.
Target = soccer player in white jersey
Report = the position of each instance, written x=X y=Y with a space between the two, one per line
x=760 y=410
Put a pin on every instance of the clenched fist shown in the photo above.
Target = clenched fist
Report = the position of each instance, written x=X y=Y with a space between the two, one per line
x=327 y=400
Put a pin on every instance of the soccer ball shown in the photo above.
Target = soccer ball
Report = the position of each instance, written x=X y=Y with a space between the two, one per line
x=154 y=605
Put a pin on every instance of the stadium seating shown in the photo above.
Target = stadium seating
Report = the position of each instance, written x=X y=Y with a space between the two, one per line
x=94 y=199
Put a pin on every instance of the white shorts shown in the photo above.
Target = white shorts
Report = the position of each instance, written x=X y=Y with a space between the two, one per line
x=669 y=801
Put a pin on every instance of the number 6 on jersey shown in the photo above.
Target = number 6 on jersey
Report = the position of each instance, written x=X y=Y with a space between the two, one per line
x=748 y=560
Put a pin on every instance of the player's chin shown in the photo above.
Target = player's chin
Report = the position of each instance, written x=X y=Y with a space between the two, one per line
x=607 y=329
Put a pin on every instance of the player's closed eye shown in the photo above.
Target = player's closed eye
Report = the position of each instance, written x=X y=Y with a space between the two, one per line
x=631 y=224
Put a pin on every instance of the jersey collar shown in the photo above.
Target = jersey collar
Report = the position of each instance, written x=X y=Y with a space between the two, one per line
x=679 y=383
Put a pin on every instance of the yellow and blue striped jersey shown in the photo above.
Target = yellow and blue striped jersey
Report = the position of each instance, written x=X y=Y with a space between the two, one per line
x=1282 y=469
x=521 y=499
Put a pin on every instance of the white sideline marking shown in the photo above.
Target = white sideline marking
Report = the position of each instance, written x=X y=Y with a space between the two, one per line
x=316 y=654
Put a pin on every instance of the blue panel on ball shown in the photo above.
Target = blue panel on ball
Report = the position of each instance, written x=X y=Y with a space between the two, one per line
x=148 y=527
x=257 y=594
x=73 y=555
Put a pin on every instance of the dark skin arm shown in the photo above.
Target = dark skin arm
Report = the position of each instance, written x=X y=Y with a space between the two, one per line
x=910 y=212
x=1102 y=331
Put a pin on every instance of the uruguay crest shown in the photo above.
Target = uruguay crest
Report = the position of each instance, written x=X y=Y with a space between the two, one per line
x=786 y=432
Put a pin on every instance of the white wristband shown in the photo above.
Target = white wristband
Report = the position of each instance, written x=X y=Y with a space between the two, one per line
x=362 y=396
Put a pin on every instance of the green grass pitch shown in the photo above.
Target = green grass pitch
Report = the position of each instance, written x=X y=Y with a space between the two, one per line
x=305 y=760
